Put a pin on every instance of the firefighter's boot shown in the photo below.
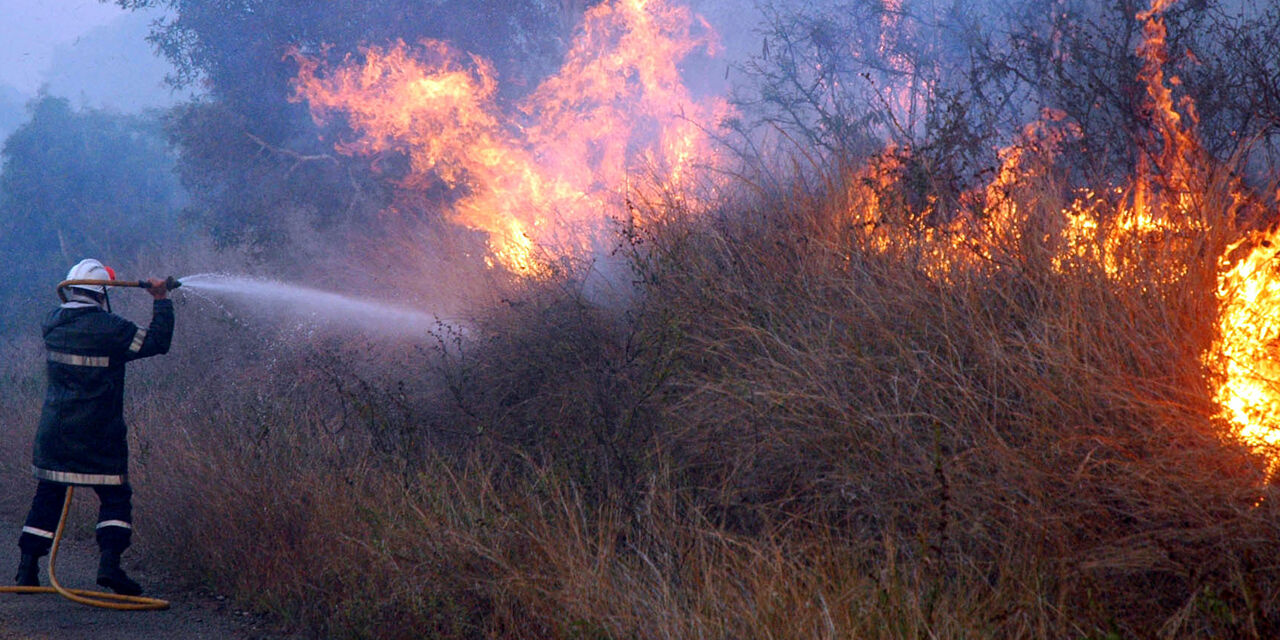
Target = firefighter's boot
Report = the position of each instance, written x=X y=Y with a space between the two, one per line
x=111 y=576
x=28 y=571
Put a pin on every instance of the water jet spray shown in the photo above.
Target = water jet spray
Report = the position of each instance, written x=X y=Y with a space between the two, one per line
x=314 y=304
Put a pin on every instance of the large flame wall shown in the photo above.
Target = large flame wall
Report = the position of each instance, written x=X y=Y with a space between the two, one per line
x=542 y=179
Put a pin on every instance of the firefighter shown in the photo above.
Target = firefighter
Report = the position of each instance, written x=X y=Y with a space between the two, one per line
x=81 y=438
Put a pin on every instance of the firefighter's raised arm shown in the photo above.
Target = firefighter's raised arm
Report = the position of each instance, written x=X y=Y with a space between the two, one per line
x=157 y=288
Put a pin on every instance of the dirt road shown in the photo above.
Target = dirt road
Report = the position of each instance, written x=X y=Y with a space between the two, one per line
x=192 y=616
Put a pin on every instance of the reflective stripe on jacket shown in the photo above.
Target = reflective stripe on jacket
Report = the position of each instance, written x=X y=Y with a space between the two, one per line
x=81 y=439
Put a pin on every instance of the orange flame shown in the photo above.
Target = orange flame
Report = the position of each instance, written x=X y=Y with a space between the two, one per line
x=541 y=181
x=1180 y=158
x=1248 y=292
x=1249 y=295
x=542 y=178
x=1115 y=228
x=910 y=87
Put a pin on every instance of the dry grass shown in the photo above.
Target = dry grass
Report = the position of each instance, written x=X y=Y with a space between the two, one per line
x=796 y=429
x=1007 y=422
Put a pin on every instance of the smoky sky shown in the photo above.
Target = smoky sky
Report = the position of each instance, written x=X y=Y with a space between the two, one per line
x=30 y=31
x=93 y=53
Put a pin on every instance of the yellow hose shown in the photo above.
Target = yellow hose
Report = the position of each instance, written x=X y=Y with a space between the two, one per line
x=83 y=596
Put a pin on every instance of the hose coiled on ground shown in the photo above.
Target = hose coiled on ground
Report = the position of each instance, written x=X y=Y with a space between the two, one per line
x=101 y=599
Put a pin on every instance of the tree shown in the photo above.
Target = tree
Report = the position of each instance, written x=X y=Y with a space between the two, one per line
x=953 y=81
x=79 y=184
x=248 y=153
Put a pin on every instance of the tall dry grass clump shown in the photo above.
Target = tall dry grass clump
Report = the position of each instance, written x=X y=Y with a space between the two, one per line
x=996 y=411
x=805 y=423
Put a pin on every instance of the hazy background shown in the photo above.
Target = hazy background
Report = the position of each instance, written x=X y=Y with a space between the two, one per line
x=94 y=54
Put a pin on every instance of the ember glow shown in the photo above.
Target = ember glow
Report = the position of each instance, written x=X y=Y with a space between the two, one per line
x=542 y=180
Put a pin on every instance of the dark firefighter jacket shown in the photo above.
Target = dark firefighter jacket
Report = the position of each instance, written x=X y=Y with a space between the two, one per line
x=81 y=439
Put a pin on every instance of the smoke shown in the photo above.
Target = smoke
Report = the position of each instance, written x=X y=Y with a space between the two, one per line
x=832 y=78
x=11 y=110
x=112 y=66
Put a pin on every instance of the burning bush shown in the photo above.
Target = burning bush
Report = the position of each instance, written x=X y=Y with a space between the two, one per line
x=798 y=427
x=901 y=395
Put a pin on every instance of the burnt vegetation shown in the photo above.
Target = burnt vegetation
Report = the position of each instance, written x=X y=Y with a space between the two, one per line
x=793 y=423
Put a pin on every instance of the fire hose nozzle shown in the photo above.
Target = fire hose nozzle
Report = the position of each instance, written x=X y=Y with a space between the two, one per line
x=170 y=283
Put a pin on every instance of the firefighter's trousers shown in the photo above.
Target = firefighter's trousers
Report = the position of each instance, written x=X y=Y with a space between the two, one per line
x=115 y=517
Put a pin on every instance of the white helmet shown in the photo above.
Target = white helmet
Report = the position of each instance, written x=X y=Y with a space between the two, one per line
x=90 y=269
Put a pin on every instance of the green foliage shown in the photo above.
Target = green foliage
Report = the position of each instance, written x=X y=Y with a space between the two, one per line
x=77 y=184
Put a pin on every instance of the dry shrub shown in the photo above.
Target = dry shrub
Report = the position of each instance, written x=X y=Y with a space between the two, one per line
x=997 y=414
x=797 y=428
x=551 y=379
x=300 y=522
x=21 y=391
